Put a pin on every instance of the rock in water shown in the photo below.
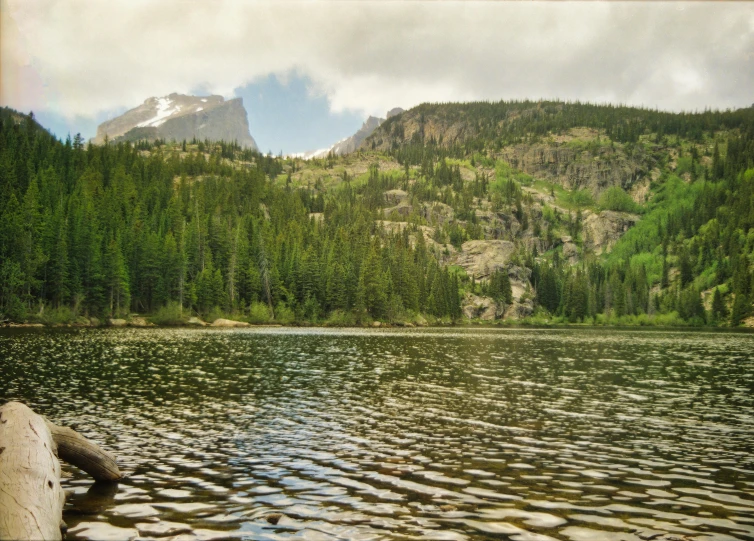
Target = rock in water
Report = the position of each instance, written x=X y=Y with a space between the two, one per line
x=177 y=117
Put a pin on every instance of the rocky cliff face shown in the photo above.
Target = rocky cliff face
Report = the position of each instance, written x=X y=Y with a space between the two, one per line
x=178 y=117
x=596 y=169
x=576 y=160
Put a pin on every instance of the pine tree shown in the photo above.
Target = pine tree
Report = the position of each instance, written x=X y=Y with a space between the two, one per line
x=116 y=279
x=719 y=310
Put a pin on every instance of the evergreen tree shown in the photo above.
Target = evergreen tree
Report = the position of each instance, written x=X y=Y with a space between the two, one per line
x=719 y=311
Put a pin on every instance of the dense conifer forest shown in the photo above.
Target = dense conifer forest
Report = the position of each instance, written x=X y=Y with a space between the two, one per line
x=178 y=229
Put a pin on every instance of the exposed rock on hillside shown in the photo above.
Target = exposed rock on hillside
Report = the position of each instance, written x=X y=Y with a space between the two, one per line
x=393 y=197
x=178 y=117
x=484 y=308
x=573 y=168
x=426 y=232
x=480 y=258
x=578 y=159
x=437 y=212
x=602 y=231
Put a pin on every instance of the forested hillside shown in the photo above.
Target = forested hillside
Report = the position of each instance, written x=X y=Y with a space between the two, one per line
x=537 y=212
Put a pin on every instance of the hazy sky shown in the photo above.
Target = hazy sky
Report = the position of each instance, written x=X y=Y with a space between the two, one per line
x=310 y=71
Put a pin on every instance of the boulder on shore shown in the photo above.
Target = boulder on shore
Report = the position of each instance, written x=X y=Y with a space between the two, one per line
x=117 y=322
x=229 y=323
x=196 y=321
x=139 y=322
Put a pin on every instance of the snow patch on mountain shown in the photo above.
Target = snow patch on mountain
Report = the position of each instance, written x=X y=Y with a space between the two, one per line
x=165 y=110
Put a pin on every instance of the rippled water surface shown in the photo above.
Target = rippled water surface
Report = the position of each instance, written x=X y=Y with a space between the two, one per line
x=527 y=435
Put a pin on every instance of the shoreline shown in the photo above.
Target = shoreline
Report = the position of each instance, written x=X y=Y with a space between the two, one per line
x=503 y=325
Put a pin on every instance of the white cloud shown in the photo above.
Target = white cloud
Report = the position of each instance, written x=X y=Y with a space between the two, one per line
x=83 y=57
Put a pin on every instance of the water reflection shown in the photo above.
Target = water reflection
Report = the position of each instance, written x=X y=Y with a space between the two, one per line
x=278 y=433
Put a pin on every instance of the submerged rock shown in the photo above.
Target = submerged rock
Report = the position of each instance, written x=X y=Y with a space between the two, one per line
x=273 y=518
x=162 y=528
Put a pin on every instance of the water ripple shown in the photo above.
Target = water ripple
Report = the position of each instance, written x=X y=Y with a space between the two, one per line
x=401 y=434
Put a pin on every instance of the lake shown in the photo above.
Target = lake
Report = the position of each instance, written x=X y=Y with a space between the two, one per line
x=521 y=434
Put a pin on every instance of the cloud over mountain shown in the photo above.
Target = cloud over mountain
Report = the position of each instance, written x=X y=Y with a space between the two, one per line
x=85 y=57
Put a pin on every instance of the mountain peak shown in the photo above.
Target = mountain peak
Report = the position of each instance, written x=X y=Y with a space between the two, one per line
x=350 y=144
x=178 y=117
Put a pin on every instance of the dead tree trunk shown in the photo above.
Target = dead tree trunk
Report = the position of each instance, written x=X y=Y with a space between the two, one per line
x=31 y=499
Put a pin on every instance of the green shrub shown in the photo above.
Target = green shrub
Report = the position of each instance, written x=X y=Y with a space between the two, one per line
x=581 y=198
x=284 y=315
x=170 y=314
x=14 y=310
x=259 y=313
x=617 y=199
x=683 y=165
x=340 y=318
x=57 y=316
x=670 y=319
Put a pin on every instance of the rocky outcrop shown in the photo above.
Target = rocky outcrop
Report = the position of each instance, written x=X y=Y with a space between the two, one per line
x=571 y=252
x=597 y=169
x=401 y=209
x=394 y=197
x=426 y=232
x=437 y=212
x=483 y=308
x=575 y=160
x=520 y=309
x=480 y=258
x=179 y=117
x=601 y=231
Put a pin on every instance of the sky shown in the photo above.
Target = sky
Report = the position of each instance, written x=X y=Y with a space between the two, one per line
x=311 y=71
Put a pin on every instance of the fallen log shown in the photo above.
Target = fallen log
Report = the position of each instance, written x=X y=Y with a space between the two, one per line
x=31 y=498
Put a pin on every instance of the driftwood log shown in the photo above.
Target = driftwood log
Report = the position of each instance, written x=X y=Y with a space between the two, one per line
x=31 y=498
